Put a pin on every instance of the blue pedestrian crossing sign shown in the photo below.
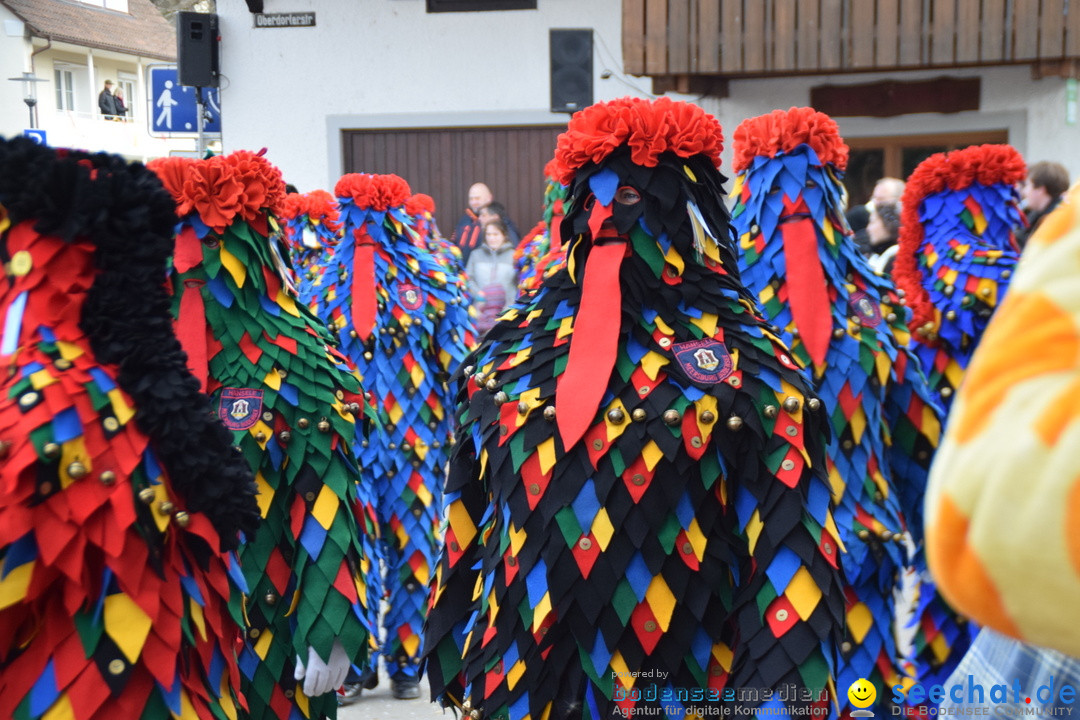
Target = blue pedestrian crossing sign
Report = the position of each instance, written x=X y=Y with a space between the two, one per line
x=174 y=108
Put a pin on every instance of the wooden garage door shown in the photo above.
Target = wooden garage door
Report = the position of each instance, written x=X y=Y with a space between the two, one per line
x=444 y=162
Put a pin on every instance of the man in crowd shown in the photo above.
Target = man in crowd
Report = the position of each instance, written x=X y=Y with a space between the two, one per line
x=1041 y=192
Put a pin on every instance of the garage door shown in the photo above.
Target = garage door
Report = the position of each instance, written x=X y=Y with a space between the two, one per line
x=444 y=162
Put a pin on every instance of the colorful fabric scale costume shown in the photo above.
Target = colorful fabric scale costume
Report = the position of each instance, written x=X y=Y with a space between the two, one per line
x=956 y=258
x=311 y=229
x=637 y=504
x=291 y=404
x=118 y=488
x=847 y=326
x=403 y=320
x=540 y=252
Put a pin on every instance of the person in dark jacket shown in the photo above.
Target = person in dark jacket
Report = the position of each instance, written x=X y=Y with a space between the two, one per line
x=106 y=102
x=469 y=232
x=1041 y=192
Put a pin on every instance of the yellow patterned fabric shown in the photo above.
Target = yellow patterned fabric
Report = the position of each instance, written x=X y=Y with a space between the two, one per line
x=1003 y=506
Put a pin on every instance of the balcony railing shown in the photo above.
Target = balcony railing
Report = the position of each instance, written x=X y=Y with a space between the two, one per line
x=748 y=38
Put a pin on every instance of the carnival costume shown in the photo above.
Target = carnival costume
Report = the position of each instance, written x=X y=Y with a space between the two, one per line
x=118 y=488
x=847 y=327
x=957 y=255
x=402 y=319
x=637 y=503
x=292 y=405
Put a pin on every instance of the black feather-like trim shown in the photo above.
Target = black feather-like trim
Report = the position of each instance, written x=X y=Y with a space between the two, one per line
x=125 y=213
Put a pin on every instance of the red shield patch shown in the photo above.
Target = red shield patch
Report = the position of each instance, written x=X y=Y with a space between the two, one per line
x=410 y=296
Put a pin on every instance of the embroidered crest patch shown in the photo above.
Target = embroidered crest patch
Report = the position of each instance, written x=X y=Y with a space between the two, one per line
x=704 y=361
x=410 y=296
x=239 y=408
x=864 y=308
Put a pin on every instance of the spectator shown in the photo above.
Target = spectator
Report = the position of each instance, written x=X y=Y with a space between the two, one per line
x=492 y=278
x=468 y=233
x=106 y=102
x=886 y=190
x=882 y=232
x=118 y=99
x=1040 y=193
x=497 y=211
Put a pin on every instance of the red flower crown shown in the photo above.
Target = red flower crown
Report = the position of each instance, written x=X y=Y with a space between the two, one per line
x=781 y=131
x=221 y=188
x=648 y=127
x=373 y=192
x=956 y=170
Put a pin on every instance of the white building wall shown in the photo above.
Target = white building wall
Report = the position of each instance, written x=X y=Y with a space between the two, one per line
x=14 y=59
x=388 y=63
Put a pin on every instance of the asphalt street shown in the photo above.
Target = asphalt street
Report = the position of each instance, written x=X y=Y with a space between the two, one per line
x=379 y=704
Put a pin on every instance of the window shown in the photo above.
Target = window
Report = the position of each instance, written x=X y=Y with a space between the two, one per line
x=872 y=158
x=64 y=80
x=434 y=6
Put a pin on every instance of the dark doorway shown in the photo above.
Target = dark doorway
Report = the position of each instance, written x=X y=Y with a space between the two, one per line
x=444 y=162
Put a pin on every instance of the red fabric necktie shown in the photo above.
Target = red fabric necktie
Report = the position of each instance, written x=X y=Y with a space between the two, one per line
x=808 y=291
x=190 y=323
x=595 y=340
x=190 y=328
x=363 y=284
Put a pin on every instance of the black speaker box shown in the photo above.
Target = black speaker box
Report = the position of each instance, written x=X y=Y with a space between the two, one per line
x=197 y=49
x=571 y=69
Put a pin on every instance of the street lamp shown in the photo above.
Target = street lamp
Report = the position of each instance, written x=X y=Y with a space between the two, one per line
x=29 y=82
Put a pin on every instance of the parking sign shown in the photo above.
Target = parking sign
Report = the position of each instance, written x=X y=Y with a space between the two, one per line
x=173 y=107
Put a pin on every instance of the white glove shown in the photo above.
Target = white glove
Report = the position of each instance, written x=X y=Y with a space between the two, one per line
x=321 y=677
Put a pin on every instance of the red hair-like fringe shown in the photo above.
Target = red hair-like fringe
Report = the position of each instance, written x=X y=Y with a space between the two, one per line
x=373 y=192
x=648 y=127
x=956 y=170
x=781 y=131
x=420 y=203
x=221 y=188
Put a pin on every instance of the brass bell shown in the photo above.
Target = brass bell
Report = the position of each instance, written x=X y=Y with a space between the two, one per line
x=791 y=404
x=147 y=495
x=166 y=507
x=838 y=333
x=616 y=416
x=260 y=436
x=368 y=355
x=491 y=384
x=108 y=477
x=406 y=447
x=500 y=397
x=51 y=450
x=549 y=413
x=182 y=519
x=735 y=423
x=302 y=423
x=76 y=470
x=523 y=407
x=284 y=437
x=468 y=370
x=323 y=426
x=946 y=392
x=672 y=417
x=708 y=417
x=638 y=415
x=891 y=317
x=270 y=598
x=813 y=404
x=770 y=411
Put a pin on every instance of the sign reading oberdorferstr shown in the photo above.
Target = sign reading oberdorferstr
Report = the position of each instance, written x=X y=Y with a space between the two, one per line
x=277 y=20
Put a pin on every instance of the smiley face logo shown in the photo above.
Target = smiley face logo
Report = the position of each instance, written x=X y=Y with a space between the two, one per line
x=862 y=693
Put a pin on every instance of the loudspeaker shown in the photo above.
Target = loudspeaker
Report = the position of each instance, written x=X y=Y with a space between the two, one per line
x=197 y=49
x=571 y=70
